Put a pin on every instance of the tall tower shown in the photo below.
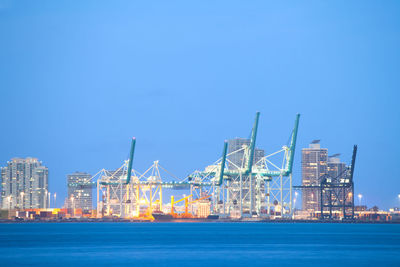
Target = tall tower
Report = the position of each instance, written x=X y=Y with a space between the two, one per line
x=24 y=184
x=80 y=191
x=314 y=161
x=248 y=190
x=237 y=158
x=337 y=172
x=336 y=168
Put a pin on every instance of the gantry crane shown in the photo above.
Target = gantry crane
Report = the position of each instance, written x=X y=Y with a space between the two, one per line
x=173 y=202
x=336 y=193
x=186 y=214
x=247 y=190
x=252 y=188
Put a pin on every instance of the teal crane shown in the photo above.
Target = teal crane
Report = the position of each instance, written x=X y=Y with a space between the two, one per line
x=292 y=148
x=252 y=144
x=267 y=174
x=129 y=171
x=221 y=173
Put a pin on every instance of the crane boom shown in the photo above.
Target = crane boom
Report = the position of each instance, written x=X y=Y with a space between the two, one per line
x=221 y=174
x=252 y=144
x=292 y=148
x=129 y=171
x=174 y=202
x=199 y=199
x=128 y=178
x=353 y=162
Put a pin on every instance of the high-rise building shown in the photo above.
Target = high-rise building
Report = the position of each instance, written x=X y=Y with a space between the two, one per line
x=336 y=169
x=314 y=161
x=237 y=158
x=24 y=184
x=252 y=192
x=79 y=191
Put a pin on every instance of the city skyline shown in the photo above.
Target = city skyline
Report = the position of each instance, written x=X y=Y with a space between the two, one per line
x=337 y=167
x=199 y=133
x=74 y=93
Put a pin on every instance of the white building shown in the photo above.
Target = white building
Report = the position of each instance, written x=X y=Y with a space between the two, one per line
x=24 y=184
x=80 y=190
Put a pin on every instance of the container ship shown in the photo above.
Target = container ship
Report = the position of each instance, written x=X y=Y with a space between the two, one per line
x=162 y=217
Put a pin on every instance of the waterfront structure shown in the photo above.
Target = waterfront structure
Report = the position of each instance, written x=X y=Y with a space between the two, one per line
x=117 y=195
x=336 y=170
x=327 y=184
x=260 y=187
x=337 y=190
x=24 y=184
x=253 y=194
x=79 y=191
x=314 y=165
x=255 y=189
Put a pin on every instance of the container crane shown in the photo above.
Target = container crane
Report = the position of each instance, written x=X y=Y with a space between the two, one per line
x=186 y=214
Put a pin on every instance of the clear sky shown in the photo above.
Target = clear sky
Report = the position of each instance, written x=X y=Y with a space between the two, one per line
x=79 y=79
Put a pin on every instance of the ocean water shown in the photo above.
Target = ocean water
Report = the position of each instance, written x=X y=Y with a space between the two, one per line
x=199 y=244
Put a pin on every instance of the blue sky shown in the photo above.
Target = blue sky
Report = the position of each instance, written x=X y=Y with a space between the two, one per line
x=79 y=79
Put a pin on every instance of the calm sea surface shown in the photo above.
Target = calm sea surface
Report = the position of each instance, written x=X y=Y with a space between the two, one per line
x=198 y=244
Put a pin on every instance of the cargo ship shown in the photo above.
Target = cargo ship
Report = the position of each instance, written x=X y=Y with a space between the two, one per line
x=162 y=217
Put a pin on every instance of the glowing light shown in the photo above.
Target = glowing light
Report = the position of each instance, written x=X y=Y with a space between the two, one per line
x=359 y=198
x=135 y=213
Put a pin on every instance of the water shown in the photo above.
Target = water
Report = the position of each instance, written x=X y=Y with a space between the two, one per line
x=199 y=244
